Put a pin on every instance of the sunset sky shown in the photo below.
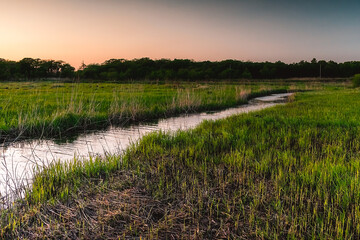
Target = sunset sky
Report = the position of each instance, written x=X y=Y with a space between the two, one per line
x=258 y=30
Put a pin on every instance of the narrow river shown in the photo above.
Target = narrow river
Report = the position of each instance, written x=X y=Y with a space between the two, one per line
x=18 y=159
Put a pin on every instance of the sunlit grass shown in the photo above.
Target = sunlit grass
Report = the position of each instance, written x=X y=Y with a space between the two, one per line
x=291 y=171
x=48 y=109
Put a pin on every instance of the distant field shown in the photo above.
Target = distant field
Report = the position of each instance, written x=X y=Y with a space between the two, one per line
x=55 y=109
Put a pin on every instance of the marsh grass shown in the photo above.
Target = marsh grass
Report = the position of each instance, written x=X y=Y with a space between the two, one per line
x=57 y=110
x=287 y=172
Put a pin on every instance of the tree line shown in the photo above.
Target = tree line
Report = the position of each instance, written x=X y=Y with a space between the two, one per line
x=29 y=68
x=177 y=69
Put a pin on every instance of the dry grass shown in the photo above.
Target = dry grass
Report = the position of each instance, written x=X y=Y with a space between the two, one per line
x=121 y=208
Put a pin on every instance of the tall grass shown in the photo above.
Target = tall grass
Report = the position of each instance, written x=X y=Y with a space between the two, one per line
x=287 y=172
x=45 y=109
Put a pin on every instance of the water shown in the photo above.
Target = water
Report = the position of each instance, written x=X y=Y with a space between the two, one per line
x=272 y=98
x=18 y=159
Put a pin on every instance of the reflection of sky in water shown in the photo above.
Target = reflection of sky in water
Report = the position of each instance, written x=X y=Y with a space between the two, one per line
x=18 y=160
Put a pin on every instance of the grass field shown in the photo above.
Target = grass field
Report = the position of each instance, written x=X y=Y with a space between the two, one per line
x=56 y=109
x=291 y=171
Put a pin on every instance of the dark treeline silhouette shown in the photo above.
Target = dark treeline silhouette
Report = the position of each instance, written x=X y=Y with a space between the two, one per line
x=29 y=68
x=183 y=69
x=177 y=69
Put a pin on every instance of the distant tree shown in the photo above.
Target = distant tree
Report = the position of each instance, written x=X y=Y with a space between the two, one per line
x=177 y=69
x=67 y=71
x=28 y=66
x=226 y=74
x=246 y=74
x=4 y=70
x=157 y=75
x=92 y=71
x=267 y=71
x=183 y=73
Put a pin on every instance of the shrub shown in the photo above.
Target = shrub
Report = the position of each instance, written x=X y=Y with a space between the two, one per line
x=356 y=80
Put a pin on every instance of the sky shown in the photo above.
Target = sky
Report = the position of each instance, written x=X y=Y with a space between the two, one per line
x=92 y=31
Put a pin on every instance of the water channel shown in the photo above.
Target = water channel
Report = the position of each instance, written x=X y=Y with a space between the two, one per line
x=18 y=159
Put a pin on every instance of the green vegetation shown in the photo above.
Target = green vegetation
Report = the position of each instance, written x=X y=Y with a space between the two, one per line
x=29 y=68
x=174 y=70
x=55 y=109
x=356 y=80
x=291 y=171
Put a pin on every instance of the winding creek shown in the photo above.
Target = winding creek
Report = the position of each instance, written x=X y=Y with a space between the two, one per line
x=18 y=159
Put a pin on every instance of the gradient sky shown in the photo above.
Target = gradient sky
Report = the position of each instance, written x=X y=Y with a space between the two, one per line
x=257 y=30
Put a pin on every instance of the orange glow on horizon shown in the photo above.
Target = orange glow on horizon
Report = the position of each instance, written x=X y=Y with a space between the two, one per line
x=94 y=31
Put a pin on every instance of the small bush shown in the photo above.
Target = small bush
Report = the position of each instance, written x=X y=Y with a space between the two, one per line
x=356 y=80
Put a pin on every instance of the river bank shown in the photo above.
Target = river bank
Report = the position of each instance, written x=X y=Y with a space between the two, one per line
x=289 y=171
x=187 y=177
x=56 y=110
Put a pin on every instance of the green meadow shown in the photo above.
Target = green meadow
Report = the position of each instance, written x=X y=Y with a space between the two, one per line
x=287 y=172
x=58 y=109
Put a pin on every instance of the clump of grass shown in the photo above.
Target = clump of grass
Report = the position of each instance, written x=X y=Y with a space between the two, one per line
x=242 y=94
x=291 y=98
x=185 y=101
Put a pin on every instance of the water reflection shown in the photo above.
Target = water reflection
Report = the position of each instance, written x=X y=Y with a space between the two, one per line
x=18 y=159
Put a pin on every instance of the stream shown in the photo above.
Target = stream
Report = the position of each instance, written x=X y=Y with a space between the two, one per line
x=18 y=159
